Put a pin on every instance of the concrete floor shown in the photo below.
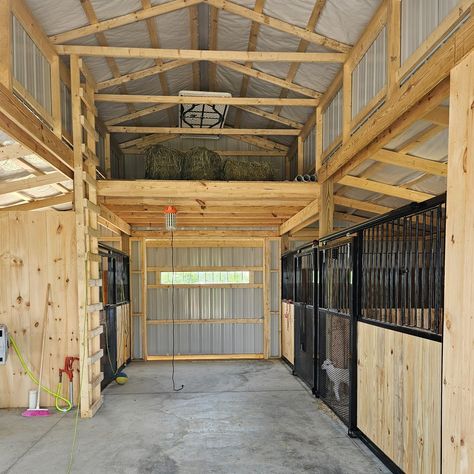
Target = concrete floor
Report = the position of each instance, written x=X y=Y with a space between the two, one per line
x=231 y=417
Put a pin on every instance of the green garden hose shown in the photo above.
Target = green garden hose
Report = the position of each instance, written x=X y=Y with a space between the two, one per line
x=56 y=395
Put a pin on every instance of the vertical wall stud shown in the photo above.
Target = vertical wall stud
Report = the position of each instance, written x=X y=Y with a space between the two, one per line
x=6 y=44
x=326 y=213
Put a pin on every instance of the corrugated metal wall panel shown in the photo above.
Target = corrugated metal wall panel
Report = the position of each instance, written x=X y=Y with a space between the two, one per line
x=30 y=67
x=275 y=335
x=309 y=151
x=332 y=120
x=205 y=303
x=137 y=338
x=206 y=339
x=419 y=18
x=66 y=111
x=226 y=256
x=370 y=74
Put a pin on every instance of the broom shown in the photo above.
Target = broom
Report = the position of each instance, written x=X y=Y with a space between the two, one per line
x=37 y=411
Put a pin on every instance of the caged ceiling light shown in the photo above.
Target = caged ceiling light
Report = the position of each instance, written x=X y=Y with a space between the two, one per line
x=170 y=218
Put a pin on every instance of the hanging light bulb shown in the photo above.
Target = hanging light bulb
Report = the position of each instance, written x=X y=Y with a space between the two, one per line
x=170 y=218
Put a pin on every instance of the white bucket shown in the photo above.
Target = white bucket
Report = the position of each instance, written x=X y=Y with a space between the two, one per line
x=32 y=396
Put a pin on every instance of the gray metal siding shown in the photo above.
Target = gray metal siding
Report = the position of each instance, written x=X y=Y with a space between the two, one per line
x=370 y=74
x=30 y=67
x=419 y=18
x=66 y=110
x=332 y=120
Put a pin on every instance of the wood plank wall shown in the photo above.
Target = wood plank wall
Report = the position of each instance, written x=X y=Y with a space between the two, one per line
x=399 y=396
x=37 y=248
x=123 y=334
x=288 y=331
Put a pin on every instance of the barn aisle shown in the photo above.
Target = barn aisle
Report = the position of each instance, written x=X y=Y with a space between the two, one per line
x=233 y=417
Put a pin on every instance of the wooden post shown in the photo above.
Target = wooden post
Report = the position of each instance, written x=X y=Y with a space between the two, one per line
x=108 y=154
x=300 y=155
x=5 y=44
x=318 y=140
x=458 y=343
x=80 y=233
x=393 y=48
x=266 y=297
x=56 y=97
x=346 y=101
x=326 y=212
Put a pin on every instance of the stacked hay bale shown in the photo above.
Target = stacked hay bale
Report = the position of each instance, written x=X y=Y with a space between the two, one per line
x=162 y=162
x=240 y=170
x=201 y=163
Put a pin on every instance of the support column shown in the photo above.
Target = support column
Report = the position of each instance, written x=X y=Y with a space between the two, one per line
x=326 y=209
x=300 y=155
x=458 y=344
x=5 y=44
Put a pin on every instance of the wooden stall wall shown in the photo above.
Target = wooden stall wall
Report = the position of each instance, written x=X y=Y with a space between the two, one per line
x=399 y=396
x=288 y=331
x=123 y=334
x=37 y=249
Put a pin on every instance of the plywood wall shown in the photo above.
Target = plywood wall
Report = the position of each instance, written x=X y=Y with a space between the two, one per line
x=37 y=248
x=123 y=334
x=288 y=331
x=399 y=396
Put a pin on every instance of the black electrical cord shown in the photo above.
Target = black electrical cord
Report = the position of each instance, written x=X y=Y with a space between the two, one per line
x=172 y=314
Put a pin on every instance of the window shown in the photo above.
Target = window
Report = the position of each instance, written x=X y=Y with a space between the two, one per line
x=205 y=278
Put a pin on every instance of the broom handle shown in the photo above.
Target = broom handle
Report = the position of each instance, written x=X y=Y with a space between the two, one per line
x=45 y=323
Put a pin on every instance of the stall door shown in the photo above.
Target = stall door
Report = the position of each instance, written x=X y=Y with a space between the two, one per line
x=304 y=317
x=335 y=363
x=215 y=296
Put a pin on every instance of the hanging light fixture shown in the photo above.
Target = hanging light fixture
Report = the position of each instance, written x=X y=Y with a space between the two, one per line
x=170 y=218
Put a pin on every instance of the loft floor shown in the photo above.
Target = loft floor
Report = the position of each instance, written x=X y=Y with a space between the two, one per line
x=232 y=417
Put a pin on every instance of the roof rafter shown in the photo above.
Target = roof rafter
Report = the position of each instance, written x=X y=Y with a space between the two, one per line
x=279 y=25
x=249 y=71
x=139 y=113
x=155 y=43
x=251 y=46
x=269 y=116
x=205 y=131
x=213 y=26
x=123 y=20
x=194 y=29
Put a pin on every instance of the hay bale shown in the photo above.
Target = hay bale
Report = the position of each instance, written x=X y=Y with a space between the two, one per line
x=162 y=162
x=201 y=163
x=240 y=170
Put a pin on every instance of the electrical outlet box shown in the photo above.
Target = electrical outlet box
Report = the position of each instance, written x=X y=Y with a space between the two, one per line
x=3 y=344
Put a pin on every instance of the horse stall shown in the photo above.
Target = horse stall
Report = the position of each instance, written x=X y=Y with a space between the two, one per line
x=399 y=335
x=335 y=369
x=379 y=332
x=288 y=308
x=305 y=263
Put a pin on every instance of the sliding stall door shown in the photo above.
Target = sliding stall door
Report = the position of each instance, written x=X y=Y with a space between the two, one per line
x=220 y=310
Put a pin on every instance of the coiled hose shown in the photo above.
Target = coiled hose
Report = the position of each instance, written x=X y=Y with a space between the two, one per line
x=56 y=395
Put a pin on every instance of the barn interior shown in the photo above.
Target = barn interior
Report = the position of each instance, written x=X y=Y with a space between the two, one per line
x=213 y=212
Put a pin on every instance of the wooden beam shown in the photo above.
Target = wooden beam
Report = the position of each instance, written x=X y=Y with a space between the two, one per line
x=205 y=131
x=40 y=203
x=344 y=216
x=122 y=20
x=24 y=127
x=411 y=162
x=280 y=25
x=144 y=142
x=113 y=219
x=163 y=99
x=204 y=190
x=139 y=113
x=260 y=142
x=194 y=30
x=403 y=100
x=200 y=55
x=362 y=205
x=270 y=116
x=326 y=210
x=300 y=153
x=438 y=116
x=263 y=76
x=213 y=25
x=458 y=325
x=150 y=71
x=29 y=183
x=311 y=211
x=249 y=153
x=5 y=44
x=184 y=234
x=251 y=46
x=382 y=188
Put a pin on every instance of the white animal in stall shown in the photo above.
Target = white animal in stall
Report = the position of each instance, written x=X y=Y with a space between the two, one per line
x=336 y=376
